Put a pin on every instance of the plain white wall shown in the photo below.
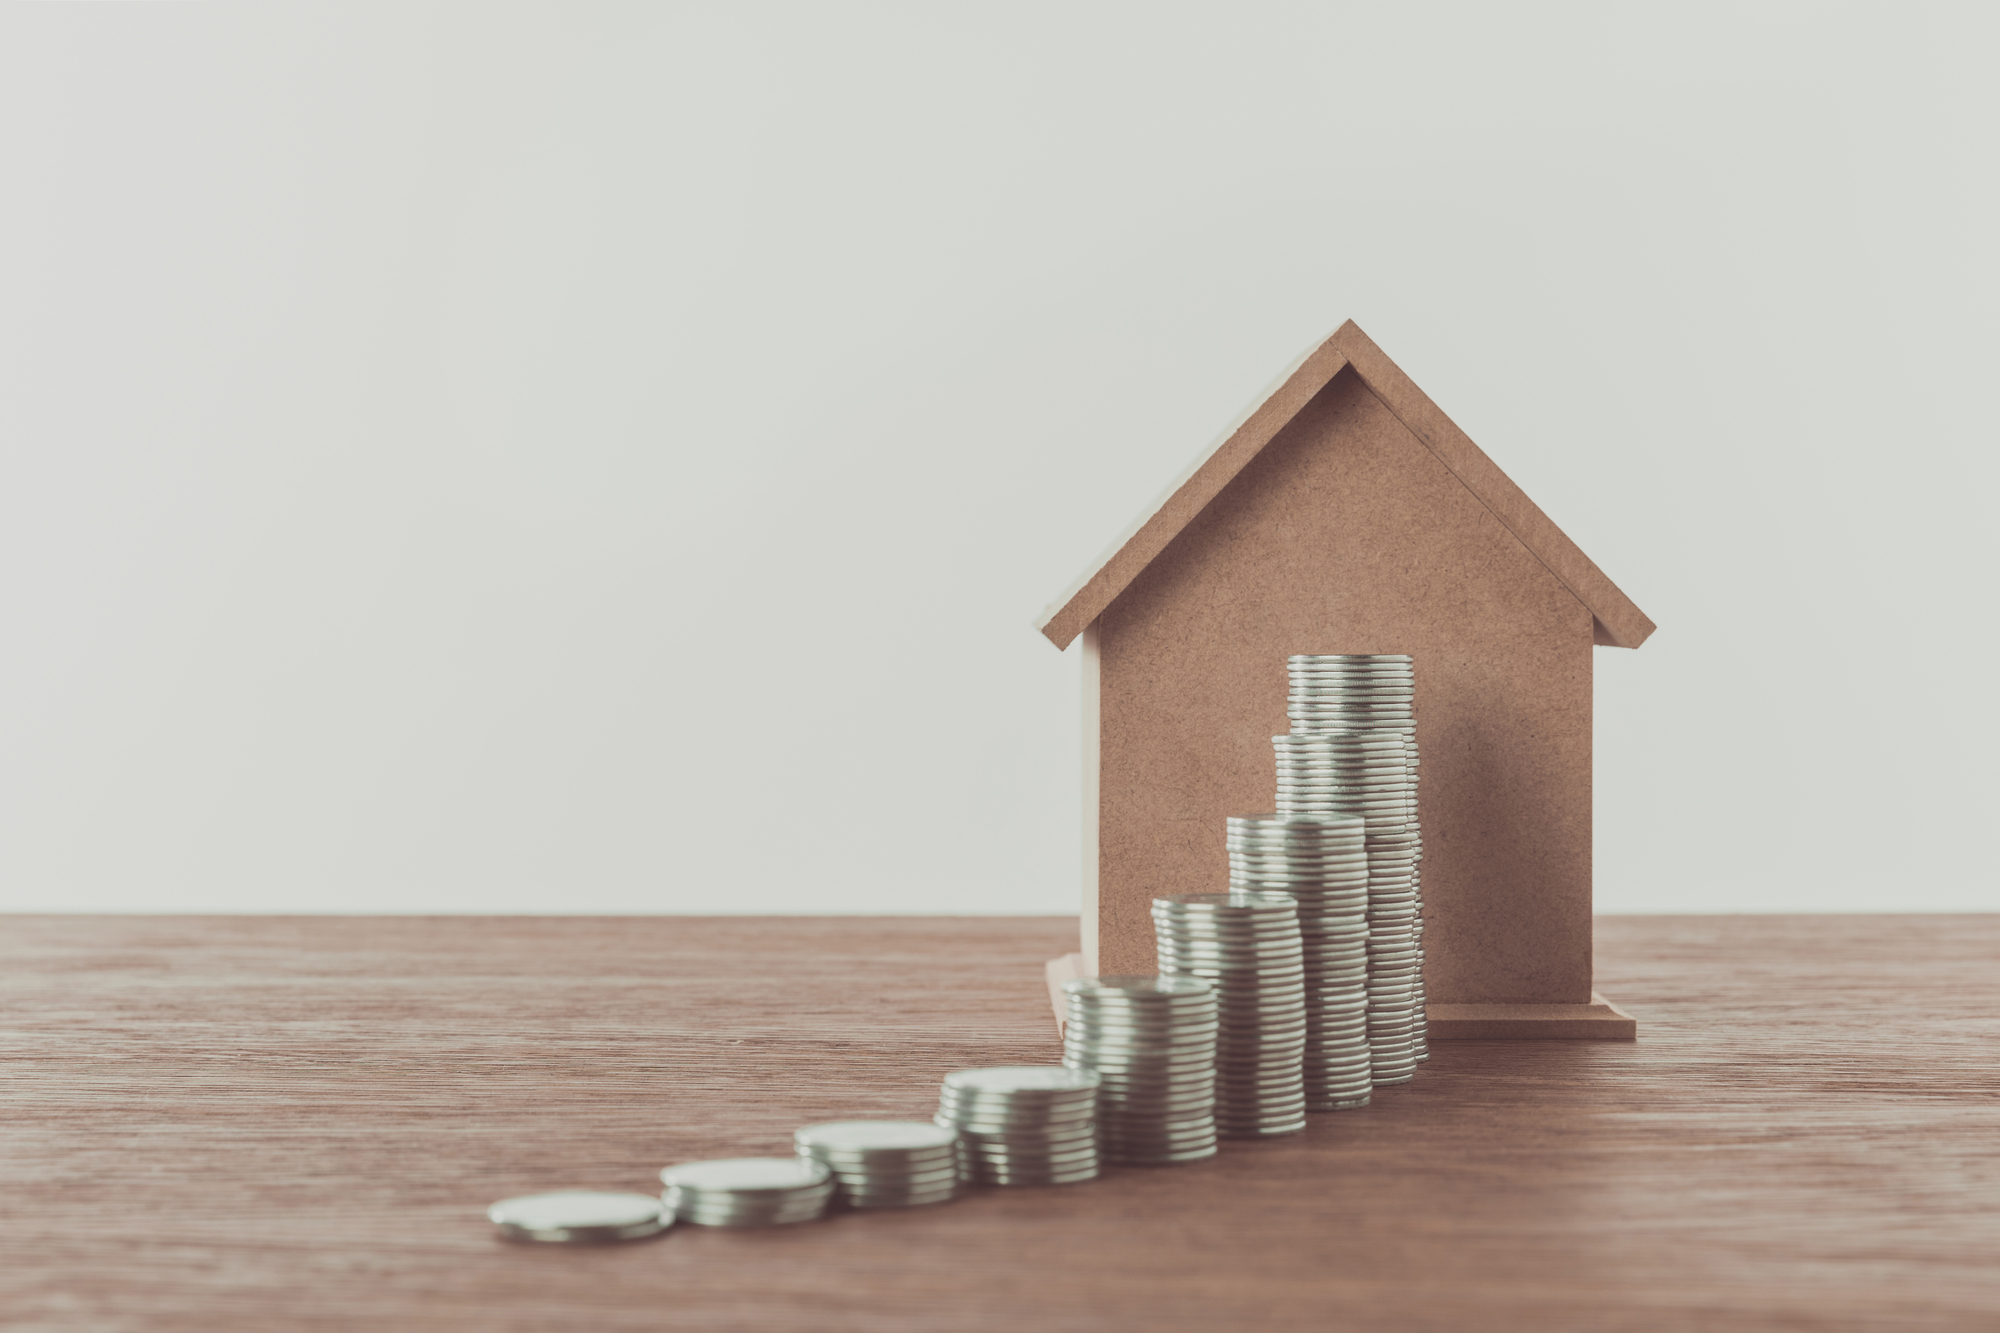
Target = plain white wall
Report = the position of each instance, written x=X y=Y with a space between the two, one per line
x=608 y=457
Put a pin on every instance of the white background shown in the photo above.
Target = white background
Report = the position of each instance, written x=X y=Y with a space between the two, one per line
x=608 y=458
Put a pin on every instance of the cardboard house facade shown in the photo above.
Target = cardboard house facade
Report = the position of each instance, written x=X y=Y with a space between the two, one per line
x=1347 y=514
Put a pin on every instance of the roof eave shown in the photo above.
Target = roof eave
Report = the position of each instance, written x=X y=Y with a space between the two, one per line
x=1616 y=621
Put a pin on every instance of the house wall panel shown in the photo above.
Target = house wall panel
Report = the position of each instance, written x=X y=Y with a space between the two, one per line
x=1345 y=535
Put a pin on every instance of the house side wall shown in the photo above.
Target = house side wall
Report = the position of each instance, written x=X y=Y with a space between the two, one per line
x=1092 y=687
x=1346 y=535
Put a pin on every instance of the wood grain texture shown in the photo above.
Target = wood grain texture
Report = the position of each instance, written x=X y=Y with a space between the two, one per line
x=286 y=1123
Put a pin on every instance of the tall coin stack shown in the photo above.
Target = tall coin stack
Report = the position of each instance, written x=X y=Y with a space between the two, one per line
x=1373 y=696
x=1024 y=1124
x=1151 y=1042
x=1248 y=946
x=1322 y=861
x=885 y=1163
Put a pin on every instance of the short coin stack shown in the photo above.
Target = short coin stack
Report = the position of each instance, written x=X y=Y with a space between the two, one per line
x=885 y=1163
x=748 y=1191
x=1248 y=946
x=1371 y=698
x=1320 y=860
x=1024 y=1124
x=1151 y=1042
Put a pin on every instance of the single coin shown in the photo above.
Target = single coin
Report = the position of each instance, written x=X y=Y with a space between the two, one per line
x=850 y=1181
x=1138 y=989
x=869 y=1137
x=889 y=1163
x=580 y=1217
x=1021 y=1081
x=746 y=1175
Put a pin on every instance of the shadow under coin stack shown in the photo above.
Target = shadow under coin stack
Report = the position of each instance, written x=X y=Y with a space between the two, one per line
x=1321 y=861
x=1374 y=696
x=1024 y=1124
x=1151 y=1042
x=748 y=1191
x=1247 y=945
x=885 y=1163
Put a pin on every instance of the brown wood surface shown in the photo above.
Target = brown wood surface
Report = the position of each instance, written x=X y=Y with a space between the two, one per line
x=289 y=1123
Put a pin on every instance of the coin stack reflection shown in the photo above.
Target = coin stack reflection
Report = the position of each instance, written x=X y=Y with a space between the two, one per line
x=1373 y=697
x=1151 y=1042
x=748 y=1191
x=1322 y=861
x=1248 y=946
x=1024 y=1124
x=885 y=1163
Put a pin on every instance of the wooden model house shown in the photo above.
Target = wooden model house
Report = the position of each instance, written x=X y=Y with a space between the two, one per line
x=1347 y=514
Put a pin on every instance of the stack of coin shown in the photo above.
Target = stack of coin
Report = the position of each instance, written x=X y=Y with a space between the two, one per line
x=1322 y=861
x=1151 y=1042
x=1361 y=709
x=1024 y=1124
x=1359 y=773
x=885 y=1163
x=1248 y=946
x=748 y=1191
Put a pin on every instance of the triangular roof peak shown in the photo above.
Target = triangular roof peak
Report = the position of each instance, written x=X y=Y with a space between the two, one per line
x=1619 y=623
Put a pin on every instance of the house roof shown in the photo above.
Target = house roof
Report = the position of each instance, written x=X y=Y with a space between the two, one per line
x=1619 y=623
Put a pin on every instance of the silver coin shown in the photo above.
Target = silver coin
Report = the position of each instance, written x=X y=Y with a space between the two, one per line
x=1164 y=1133
x=1020 y=1179
x=1186 y=1021
x=1028 y=1113
x=1190 y=1030
x=1157 y=1104
x=849 y=1175
x=726 y=1213
x=1141 y=990
x=912 y=1179
x=1068 y=1158
x=1167 y=1159
x=871 y=1137
x=746 y=1175
x=1118 y=1072
x=982 y=1133
x=1249 y=943
x=1108 y=1054
x=1147 y=1091
x=905 y=1201
x=943 y=1193
x=1247 y=904
x=1186 y=1034
x=1108 y=1059
x=1074 y=1103
x=580 y=1217
x=1000 y=1136
x=1021 y=1081
x=1191 y=1150
x=875 y=1171
x=1261 y=1130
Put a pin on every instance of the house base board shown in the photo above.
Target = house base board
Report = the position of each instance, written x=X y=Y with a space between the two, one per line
x=1599 y=1020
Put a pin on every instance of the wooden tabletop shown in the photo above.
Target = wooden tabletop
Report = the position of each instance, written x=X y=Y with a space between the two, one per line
x=296 y=1124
